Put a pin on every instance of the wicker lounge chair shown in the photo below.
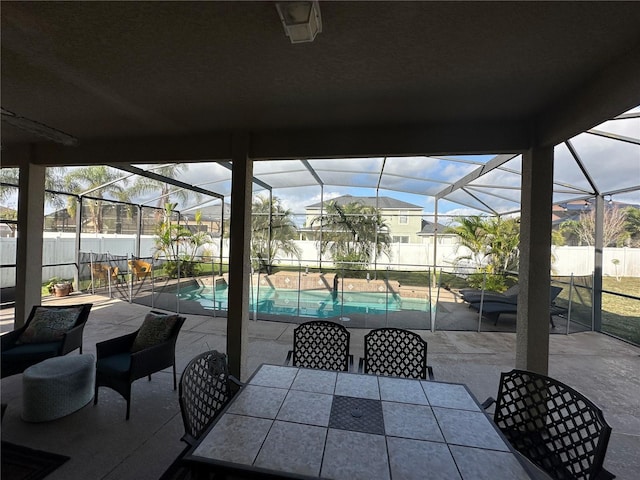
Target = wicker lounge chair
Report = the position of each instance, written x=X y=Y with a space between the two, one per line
x=139 y=268
x=50 y=331
x=151 y=348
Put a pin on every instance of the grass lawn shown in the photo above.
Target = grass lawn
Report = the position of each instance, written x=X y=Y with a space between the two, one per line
x=621 y=316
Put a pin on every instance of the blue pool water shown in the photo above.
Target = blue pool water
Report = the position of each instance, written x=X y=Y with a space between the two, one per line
x=308 y=303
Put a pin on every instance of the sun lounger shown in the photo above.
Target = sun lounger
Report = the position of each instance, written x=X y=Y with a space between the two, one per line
x=471 y=295
x=495 y=309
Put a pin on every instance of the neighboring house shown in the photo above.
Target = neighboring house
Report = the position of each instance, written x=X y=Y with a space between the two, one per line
x=562 y=212
x=572 y=210
x=115 y=218
x=429 y=231
x=404 y=219
x=59 y=221
x=210 y=220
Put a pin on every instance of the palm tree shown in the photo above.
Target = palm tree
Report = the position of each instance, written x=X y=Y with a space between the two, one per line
x=198 y=238
x=145 y=185
x=272 y=234
x=101 y=181
x=504 y=238
x=493 y=245
x=53 y=179
x=472 y=235
x=178 y=244
x=354 y=234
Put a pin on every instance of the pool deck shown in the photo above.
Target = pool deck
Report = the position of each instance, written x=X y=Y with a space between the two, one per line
x=103 y=446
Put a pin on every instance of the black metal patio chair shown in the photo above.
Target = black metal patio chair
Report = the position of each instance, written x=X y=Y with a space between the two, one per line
x=553 y=425
x=320 y=344
x=395 y=352
x=205 y=388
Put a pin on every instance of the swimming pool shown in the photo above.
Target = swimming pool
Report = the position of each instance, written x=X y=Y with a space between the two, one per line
x=308 y=303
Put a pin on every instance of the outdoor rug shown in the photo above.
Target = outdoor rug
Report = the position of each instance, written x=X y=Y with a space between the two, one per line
x=22 y=463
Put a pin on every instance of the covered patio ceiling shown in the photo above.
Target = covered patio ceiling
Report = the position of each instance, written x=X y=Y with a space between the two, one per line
x=151 y=82
x=383 y=98
x=131 y=83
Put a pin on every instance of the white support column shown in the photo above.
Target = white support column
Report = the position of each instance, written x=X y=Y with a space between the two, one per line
x=239 y=256
x=532 y=335
x=29 y=246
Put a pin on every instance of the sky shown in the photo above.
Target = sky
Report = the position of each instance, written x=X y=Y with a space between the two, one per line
x=612 y=164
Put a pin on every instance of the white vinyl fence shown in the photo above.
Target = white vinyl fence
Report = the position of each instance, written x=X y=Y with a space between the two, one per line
x=58 y=248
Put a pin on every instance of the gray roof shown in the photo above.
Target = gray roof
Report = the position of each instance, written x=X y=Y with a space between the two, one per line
x=386 y=203
x=428 y=228
x=59 y=214
x=209 y=213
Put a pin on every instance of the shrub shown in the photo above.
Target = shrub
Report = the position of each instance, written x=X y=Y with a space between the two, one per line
x=496 y=283
x=187 y=268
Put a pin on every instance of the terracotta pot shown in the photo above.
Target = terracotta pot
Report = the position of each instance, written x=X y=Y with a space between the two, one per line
x=61 y=289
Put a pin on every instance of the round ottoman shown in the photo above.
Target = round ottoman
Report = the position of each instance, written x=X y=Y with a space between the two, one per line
x=57 y=387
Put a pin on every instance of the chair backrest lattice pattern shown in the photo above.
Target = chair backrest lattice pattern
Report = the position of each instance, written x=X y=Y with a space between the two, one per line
x=204 y=391
x=395 y=352
x=553 y=425
x=321 y=344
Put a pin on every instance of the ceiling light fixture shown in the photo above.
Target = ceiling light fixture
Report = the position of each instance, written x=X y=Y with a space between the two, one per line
x=301 y=20
x=37 y=128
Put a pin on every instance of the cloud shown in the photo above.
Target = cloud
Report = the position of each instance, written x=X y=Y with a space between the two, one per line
x=612 y=164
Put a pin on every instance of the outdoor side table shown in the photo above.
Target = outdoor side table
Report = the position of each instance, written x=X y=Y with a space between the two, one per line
x=303 y=423
x=57 y=387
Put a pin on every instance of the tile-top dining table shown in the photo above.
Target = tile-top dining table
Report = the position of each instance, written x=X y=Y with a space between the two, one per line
x=301 y=423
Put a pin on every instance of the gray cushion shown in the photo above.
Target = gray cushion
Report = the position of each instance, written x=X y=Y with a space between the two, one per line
x=154 y=330
x=49 y=324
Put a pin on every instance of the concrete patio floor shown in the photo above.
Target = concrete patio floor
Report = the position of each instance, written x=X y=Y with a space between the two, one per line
x=102 y=445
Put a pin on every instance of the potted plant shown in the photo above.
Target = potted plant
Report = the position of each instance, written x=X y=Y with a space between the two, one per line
x=59 y=287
